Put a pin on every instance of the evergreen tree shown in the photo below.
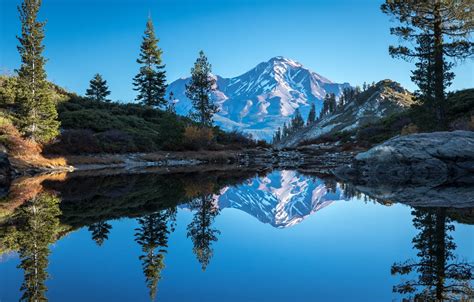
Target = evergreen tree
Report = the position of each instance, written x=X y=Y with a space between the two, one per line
x=100 y=232
x=199 y=91
x=311 y=115
x=285 y=130
x=171 y=103
x=297 y=122
x=38 y=228
x=341 y=103
x=200 y=229
x=152 y=236
x=438 y=30
x=150 y=82
x=441 y=276
x=277 y=136
x=98 y=89
x=37 y=115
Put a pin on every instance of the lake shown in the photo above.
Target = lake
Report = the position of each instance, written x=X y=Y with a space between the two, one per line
x=226 y=236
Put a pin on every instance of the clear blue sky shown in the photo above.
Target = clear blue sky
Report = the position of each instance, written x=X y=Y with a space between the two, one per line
x=345 y=41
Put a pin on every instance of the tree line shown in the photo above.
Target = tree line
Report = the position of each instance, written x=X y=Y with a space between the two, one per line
x=331 y=104
x=36 y=115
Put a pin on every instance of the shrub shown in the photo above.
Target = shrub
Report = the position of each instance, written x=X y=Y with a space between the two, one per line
x=197 y=138
x=409 y=129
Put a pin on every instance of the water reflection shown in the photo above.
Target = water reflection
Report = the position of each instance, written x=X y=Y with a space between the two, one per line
x=200 y=230
x=152 y=236
x=441 y=276
x=39 y=215
x=36 y=227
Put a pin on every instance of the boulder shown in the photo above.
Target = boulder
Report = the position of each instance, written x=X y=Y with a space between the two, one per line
x=429 y=159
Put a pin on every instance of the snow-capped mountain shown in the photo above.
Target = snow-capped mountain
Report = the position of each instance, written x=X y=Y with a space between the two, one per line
x=381 y=100
x=281 y=199
x=262 y=99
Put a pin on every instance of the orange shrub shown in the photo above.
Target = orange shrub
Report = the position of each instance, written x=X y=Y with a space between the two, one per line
x=409 y=129
x=196 y=138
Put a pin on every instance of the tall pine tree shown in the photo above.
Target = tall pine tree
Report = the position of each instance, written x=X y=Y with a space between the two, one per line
x=37 y=115
x=435 y=31
x=311 y=115
x=98 y=89
x=199 y=91
x=150 y=82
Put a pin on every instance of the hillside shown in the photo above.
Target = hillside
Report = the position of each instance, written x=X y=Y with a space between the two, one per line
x=262 y=99
x=382 y=100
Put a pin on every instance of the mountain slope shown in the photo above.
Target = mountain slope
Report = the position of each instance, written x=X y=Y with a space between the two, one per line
x=281 y=199
x=385 y=98
x=262 y=99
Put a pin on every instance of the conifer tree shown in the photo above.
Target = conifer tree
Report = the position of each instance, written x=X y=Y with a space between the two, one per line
x=37 y=115
x=152 y=236
x=100 y=232
x=39 y=229
x=438 y=30
x=285 y=130
x=311 y=115
x=277 y=136
x=297 y=122
x=200 y=229
x=98 y=89
x=199 y=91
x=150 y=82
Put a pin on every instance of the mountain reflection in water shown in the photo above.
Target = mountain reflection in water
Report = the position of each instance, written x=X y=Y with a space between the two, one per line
x=41 y=211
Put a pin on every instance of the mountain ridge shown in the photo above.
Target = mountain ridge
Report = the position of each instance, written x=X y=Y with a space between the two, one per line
x=263 y=98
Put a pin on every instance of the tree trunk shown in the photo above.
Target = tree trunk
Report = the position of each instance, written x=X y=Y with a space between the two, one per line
x=439 y=68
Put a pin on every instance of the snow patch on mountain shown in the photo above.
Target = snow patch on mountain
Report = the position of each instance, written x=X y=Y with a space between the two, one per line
x=262 y=99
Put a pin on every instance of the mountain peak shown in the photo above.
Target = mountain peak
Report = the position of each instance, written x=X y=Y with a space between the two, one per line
x=284 y=60
x=262 y=99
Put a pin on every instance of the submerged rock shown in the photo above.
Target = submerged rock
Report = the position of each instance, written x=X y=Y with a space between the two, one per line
x=421 y=159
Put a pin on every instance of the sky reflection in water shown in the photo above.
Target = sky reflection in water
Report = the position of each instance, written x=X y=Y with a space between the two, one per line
x=277 y=237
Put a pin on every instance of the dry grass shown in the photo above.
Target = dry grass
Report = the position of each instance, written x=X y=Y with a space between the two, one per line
x=24 y=189
x=25 y=153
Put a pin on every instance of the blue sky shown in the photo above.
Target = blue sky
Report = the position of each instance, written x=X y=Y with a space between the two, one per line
x=345 y=41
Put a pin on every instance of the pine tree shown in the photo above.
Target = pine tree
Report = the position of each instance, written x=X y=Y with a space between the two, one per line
x=199 y=91
x=38 y=229
x=98 y=90
x=297 y=122
x=200 y=229
x=285 y=130
x=100 y=232
x=311 y=115
x=171 y=103
x=150 y=82
x=277 y=136
x=152 y=236
x=438 y=30
x=37 y=115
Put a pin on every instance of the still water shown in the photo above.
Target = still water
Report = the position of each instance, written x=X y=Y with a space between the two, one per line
x=226 y=236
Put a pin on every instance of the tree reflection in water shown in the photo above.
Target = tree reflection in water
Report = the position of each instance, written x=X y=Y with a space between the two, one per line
x=36 y=227
x=441 y=276
x=200 y=229
x=152 y=236
x=100 y=231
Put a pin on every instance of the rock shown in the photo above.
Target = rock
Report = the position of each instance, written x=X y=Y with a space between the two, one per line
x=5 y=172
x=429 y=159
